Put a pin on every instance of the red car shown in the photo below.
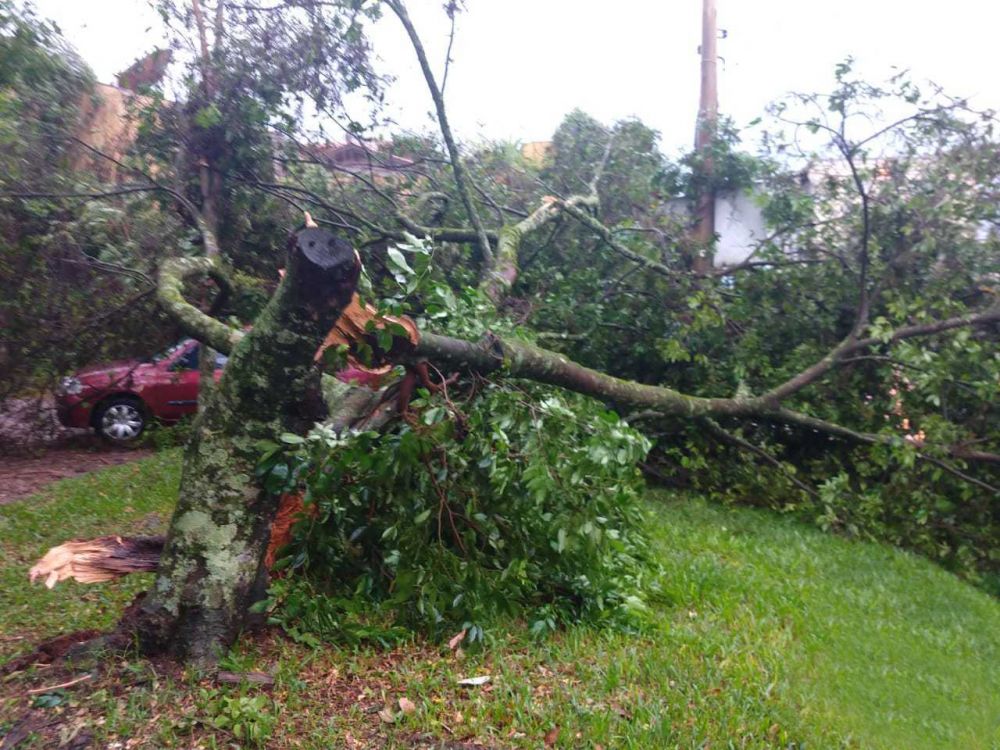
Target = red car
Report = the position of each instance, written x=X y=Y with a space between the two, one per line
x=118 y=400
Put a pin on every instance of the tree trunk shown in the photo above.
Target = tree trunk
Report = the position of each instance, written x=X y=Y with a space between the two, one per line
x=212 y=562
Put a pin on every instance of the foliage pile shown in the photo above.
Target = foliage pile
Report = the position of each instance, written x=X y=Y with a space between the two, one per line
x=489 y=499
x=524 y=504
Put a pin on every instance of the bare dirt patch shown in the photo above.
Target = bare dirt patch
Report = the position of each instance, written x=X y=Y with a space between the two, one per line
x=21 y=476
x=35 y=450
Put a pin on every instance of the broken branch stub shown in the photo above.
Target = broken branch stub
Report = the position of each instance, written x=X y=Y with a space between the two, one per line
x=98 y=560
x=324 y=269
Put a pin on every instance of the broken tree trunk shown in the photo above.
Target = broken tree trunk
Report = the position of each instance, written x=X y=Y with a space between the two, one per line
x=212 y=564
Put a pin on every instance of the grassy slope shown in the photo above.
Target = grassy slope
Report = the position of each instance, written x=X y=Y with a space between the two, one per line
x=769 y=634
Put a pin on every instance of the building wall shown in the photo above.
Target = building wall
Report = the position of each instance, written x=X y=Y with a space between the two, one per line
x=739 y=224
x=107 y=125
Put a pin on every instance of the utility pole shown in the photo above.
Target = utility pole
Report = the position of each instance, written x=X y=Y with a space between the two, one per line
x=708 y=116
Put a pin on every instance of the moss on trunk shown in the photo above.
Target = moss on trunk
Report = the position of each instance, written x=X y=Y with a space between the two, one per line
x=212 y=561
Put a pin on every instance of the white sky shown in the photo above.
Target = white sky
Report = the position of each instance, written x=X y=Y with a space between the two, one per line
x=520 y=65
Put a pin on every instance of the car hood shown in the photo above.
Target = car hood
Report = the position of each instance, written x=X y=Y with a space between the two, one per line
x=111 y=372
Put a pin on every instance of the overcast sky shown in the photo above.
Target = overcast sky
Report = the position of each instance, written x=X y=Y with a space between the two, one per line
x=520 y=65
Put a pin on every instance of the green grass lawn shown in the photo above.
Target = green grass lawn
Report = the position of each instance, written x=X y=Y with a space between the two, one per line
x=769 y=635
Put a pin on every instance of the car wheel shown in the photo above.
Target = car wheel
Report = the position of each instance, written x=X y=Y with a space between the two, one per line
x=120 y=420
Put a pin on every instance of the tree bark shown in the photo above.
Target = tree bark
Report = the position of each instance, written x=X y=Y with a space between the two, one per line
x=212 y=562
x=518 y=359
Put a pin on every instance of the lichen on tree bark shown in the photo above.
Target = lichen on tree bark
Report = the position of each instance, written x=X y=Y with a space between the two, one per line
x=212 y=562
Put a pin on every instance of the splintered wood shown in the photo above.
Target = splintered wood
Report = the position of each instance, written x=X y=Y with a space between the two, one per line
x=98 y=560
x=291 y=511
x=357 y=323
x=109 y=557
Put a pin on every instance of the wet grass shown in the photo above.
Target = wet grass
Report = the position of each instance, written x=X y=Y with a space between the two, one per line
x=768 y=634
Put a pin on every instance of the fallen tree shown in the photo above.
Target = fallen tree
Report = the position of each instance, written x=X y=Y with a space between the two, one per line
x=109 y=557
x=212 y=566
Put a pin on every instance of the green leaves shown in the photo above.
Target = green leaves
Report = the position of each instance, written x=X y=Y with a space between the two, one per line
x=398 y=264
x=530 y=509
x=409 y=279
x=249 y=718
x=208 y=117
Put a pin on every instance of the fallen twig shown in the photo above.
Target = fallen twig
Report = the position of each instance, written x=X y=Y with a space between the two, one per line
x=36 y=691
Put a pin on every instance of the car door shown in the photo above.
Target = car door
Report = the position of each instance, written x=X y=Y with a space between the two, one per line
x=176 y=392
x=185 y=391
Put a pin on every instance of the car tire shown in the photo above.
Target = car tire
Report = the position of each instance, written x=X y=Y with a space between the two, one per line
x=120 y=420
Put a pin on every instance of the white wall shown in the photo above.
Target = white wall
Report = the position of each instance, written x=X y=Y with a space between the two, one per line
x=739 y=224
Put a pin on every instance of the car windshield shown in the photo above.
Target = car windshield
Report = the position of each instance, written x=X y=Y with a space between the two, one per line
x=169 y=351
x=190 y=359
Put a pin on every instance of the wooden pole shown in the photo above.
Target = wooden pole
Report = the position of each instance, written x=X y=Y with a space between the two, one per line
x=708 y=115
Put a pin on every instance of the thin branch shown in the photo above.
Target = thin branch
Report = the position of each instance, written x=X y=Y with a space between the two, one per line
x=199 y=21
x=207 y=233
x=960 y=474
x=739 y=442
x=852 y=344
x=861 y=316
x=60 y=686
x=399 y=8
x=899 y=363
x=745 y=266
x=922 y=115
x=960 y=451
x=599 y=171
x=488 y=200
x=607 y=235
x=94 y=194
x=116 y=268
x=452 y=12
x=789 y=416
x=542 y=247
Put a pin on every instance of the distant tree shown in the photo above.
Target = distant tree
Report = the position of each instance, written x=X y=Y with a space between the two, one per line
x=76 y=278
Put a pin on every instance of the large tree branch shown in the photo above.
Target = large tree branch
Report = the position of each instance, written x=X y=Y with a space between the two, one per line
x=522 y=360
x=502 y=274
x=195 y=323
